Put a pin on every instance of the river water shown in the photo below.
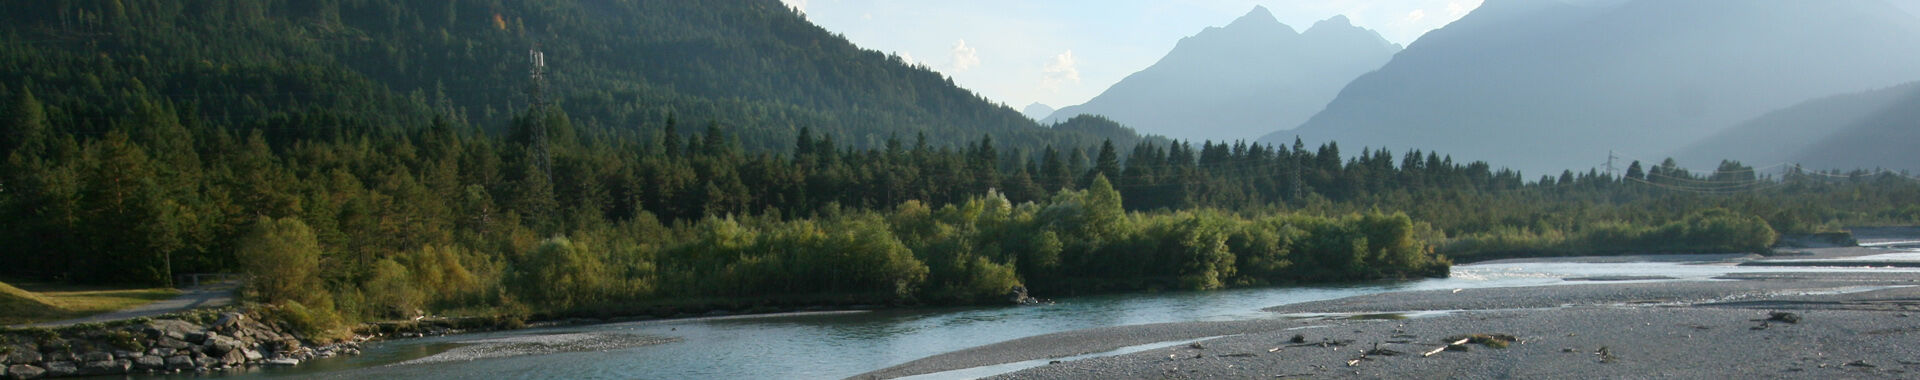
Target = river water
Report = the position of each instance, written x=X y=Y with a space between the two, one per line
x=838 y=345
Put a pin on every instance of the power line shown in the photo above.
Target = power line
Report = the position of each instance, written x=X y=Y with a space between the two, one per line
x=1750 y=187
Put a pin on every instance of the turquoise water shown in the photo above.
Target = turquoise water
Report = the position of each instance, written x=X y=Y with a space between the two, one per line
x=835 y=346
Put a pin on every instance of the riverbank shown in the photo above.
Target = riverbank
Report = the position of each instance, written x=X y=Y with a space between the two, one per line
x=1849 y=324
x=200 y=341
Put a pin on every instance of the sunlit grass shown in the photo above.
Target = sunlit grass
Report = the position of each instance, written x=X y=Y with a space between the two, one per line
x=43 y=302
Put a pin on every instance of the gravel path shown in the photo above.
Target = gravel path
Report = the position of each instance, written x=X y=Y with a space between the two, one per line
x=215 y=295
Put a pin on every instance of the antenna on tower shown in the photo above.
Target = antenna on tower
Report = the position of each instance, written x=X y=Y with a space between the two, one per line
x=542 y=157
x=1610 y=158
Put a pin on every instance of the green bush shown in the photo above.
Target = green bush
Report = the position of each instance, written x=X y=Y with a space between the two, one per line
x=314 y=324
x=391 y=291
x=282 y=259
x=558 y=275
x=1706 y=231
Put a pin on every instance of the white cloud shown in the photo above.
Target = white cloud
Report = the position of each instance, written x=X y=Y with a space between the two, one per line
x=1416 y=15
x=964 y=56
x=1063 y=69
x=1455 y=9
x=796 y=4
x=866 y=16
x=908 y=58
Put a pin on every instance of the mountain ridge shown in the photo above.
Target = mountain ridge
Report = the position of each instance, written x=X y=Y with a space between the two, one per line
x=1849 y=131
x=1238 y=81
x=1545 y=86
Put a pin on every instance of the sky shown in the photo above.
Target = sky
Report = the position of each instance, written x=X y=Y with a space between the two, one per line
x=1064 y=52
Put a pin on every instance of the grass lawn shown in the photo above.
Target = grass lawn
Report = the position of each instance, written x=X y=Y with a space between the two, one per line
x=44 y=302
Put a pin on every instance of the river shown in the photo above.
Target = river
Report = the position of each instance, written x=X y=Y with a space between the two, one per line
x=838 y=345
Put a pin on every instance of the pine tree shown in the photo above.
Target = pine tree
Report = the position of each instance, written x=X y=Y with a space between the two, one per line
x=26 y=127
x=1053 y=171
x=534 y=199
x=714 y=143
x=670 y=138
x=1108 y=163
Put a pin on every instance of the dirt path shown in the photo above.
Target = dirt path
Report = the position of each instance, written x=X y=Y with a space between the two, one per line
x=213 y=295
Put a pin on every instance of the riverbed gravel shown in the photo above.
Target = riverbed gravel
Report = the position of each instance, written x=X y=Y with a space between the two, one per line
x=539 y=345
x=1858 y=324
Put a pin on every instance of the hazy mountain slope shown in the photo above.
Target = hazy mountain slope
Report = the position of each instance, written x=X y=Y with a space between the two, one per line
x=1835 y=124
x=1543 y=86
x=1241 y=80
x=1037 y=111
x=1882 y=139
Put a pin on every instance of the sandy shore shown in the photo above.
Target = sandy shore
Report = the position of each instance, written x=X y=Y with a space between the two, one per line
x=539 y=345
x=1849 y=325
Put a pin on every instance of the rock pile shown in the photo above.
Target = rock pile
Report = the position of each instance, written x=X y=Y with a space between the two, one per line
x=232 y=341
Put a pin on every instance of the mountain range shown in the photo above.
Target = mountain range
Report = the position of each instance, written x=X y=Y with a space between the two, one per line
x=1544 y=86
x=1242 y=80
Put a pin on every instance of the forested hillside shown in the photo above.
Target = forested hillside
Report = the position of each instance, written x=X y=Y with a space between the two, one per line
x=314 y=68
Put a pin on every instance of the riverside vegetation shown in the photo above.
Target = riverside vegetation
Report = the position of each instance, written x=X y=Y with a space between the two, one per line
x=353 y=188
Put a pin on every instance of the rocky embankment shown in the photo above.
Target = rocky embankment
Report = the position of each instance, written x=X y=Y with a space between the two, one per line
x=198 y=343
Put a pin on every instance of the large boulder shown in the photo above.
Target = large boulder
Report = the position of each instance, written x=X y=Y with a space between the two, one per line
x=161 y=352
x=205 y=361
x=62 y=369
x=23 y=355
x=179 y=362
x=172 y=343
x=172 y=328
x=103 y=367
x=199 y=337
x=58 y=356
x=251 y=355
x=153 y=363
x=219 y=345
x=258 y=331
x=95 y=356
x=233 y=358
x=23 y=371
x=228 y=322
